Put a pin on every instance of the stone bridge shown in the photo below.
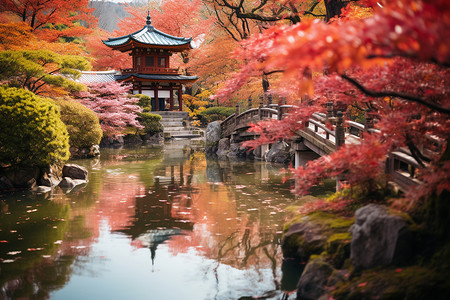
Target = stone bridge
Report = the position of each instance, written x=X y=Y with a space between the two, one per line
x=317 y=137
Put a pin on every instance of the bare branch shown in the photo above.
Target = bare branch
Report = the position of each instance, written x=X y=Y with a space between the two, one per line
x=395 y=94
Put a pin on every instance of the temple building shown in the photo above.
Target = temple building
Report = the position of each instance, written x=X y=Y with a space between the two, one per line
x=151 y=74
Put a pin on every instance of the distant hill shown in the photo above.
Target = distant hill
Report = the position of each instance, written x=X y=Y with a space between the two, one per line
x=109 y=13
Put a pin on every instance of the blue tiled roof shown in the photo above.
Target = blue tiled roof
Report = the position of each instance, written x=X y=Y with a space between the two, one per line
x=88 y=77
x=148 y=35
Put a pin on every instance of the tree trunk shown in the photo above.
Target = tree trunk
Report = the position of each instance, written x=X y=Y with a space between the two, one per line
x=265 y=83
x=333 y=8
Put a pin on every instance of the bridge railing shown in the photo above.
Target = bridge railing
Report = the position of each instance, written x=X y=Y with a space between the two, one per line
x=240 y=120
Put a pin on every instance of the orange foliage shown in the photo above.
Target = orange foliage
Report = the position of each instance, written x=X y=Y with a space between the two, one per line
x=15 y=36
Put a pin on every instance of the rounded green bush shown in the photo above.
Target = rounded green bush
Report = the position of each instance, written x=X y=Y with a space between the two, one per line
x=144 y=101
x=81 y=122
x=31 y=130
x=216 y=113
x=151 y=122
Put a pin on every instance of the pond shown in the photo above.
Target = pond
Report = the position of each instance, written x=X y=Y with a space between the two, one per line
x=154 y=222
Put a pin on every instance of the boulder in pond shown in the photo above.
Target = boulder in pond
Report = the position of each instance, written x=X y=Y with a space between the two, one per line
x=213 y=133
x=236 y=150
x=24 y=178
x=224 y=147
x=67 y=183
x=50 y=176
x=279 y=153
x=379 y=238
x=75 y=172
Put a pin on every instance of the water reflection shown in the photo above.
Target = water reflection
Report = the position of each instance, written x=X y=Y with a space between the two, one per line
x=149 y=220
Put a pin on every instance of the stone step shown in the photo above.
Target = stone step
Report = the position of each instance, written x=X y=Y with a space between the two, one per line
x=172 y=114
x=168 y=124
x=186 y=136
x=172 y=120
x=175 y=128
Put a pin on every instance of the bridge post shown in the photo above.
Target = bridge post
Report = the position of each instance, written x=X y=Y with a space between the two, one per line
x=368 y=123
x=340 y=133
x=280 y=113
x=261 y=104
x=269 y=100
x=264 y=149
x=340 y=140
x=329 y=109
x=236 y=113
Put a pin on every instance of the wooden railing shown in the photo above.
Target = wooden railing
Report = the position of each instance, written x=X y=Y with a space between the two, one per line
x=150 y=70
x=238 y=120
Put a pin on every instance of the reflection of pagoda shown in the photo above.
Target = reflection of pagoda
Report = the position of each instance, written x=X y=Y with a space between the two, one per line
x=151 y=74
x=157 y=215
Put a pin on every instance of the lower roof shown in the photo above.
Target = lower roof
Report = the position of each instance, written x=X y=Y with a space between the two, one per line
x=88 y=77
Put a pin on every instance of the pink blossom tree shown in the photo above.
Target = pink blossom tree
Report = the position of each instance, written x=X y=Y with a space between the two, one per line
x=114 y=107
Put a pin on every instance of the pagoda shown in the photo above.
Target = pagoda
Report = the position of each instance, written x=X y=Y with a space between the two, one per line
x=151 y=74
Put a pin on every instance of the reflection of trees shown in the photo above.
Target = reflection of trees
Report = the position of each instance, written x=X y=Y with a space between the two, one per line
x=31 y=226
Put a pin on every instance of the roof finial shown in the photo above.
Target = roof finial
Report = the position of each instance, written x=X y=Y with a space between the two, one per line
x=149 y=19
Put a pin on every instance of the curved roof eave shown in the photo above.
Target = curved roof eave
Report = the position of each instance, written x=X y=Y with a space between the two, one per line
x=149 y=36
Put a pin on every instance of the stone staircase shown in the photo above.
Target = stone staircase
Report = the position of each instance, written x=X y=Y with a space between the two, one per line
x=175 y=125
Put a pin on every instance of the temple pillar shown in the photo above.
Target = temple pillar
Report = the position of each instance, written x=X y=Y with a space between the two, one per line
x=180 y=98
x=156 y=98
x=171 y=97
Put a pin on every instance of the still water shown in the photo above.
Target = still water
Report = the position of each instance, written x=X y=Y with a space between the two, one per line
x=152 y=223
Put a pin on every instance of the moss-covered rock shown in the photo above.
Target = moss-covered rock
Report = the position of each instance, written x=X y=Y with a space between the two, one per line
x=316 y=233
x=313 y=282
x=412 y=283
x=380 y=238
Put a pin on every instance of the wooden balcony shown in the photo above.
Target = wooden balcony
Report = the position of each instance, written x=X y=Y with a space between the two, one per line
x=151 y=70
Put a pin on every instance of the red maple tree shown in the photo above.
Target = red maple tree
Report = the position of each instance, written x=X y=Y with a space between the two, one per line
x=392 y=65
x=52 y=19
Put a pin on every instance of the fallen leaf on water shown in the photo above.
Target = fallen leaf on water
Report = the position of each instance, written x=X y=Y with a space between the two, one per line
x=13 y=252
x=363 y=284
x=398 y=270
x=4 y=241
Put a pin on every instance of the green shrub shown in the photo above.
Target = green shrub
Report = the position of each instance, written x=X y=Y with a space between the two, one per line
x=216 y=113
x=151 y=122
x=82 y=124
x=144 y=101
x=32 y=133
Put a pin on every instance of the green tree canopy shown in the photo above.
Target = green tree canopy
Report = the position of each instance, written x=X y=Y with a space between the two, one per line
x=32 y=133
x=81 y=122
x=39 y=70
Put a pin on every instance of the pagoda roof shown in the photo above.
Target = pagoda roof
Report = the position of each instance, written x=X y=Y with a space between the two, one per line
x=149 y=37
